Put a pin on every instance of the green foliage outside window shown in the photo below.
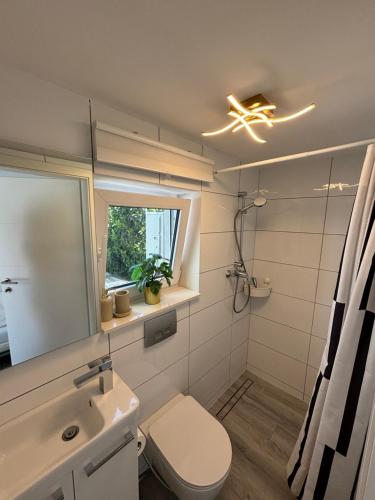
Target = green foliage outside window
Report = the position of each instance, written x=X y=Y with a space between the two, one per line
x=126 y=240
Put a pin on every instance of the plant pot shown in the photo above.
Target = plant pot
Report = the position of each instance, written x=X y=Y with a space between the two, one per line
x=122 y=302
x=151 y=298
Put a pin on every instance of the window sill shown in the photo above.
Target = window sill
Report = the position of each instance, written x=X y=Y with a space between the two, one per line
x=170 y=298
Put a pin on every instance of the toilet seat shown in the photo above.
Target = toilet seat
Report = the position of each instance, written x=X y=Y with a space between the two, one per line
x=193 y=443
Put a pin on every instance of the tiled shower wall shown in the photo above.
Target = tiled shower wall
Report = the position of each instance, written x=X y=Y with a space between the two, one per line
x=299 y=239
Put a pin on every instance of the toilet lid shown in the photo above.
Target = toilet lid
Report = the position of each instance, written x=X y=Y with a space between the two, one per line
x=193 y=442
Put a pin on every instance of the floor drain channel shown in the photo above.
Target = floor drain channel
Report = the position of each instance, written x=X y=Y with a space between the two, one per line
x=70 y=433
x=233 y=400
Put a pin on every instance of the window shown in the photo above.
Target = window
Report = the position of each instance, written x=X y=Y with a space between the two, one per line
x=135 y=233
x=133 y=226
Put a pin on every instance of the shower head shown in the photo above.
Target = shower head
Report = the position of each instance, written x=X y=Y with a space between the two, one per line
x=258 y=202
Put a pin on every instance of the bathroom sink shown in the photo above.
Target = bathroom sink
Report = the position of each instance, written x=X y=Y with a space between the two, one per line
x=35 y=443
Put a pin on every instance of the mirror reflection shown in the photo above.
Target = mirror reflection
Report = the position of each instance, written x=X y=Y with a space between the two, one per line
x=45 y=264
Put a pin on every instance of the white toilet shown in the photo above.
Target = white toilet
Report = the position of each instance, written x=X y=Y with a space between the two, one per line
x=189 y=448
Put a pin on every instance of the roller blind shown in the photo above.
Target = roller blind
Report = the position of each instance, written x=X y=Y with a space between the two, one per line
x=114 y=146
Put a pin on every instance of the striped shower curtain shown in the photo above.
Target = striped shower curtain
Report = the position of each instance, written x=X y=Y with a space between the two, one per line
x=326 y=459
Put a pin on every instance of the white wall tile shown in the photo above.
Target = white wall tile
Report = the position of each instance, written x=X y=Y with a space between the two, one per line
x=240 y=332
x=183 y=311
x=211 y=383
x=290 y=280
x=248 y=244
x=311 y=375
x=274 y=381
x=250 y=217
x=207 y=323
x=208 y=355
x=289 y=311
x=238 y=361
x=249 y=181
x=295 y=215
x=295 y=179
x=157 y=391
x=136 y=364
x=217 y=212
x=213 y=287
x=126 y=336
x=331 y=252
x=281 y=338
x=339 y=209
x=346 y=170
x=326 y=287
x=321 y=321
x=317 y=346
x=217 y=250
x=298 y=249
x=27 y=376
x=283 y=368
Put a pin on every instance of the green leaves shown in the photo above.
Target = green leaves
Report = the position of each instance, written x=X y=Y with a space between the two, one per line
x=150 y=272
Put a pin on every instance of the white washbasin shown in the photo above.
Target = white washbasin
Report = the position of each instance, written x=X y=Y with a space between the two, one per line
x=31 y=446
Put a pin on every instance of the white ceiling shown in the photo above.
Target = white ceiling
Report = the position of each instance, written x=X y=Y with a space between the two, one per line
x=174 y=61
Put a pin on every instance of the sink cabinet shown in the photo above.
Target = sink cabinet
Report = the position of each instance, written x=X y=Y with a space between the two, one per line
x=111 y=473
x=52 y=488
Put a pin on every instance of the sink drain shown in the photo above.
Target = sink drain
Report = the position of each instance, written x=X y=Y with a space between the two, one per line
x=70 y=433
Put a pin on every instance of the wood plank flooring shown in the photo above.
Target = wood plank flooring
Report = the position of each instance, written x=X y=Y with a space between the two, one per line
x=263 y=423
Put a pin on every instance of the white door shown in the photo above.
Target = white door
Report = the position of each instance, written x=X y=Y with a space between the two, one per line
x=42 y=249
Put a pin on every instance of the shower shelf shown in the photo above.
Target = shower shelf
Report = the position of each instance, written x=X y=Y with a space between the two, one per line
x=260 y=291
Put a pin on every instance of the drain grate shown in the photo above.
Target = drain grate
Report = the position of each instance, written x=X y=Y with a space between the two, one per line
x=70 y=433
x=233 y=400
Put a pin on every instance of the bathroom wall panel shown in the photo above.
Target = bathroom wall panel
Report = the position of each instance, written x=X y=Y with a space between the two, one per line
x=301 y=265
x=217 y=211
x=331 y=252
x=210 y=321
x=289 y=311
x=136 y=363
x=217 y=250
x=238 y=360
x=295 y=179
x=281 y=338
x=321 y=321
x=213 y=384
x=339 y=210
x=293 y=215
x=226 y=183
x=284 y=368
x=240 y=331
x=208 y=355
x=326 y=287
x=316 y=351
x=160 y=389
x=299 y=249
x=295 y=281
x=346 y=170
x=213 y=287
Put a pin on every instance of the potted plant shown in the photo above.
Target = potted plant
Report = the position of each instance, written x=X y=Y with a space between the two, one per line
x=148 y=276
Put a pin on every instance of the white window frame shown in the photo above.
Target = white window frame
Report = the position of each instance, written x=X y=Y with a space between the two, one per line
x=105 y=198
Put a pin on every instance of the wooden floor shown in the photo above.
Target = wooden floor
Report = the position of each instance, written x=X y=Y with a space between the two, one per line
x=263 y=424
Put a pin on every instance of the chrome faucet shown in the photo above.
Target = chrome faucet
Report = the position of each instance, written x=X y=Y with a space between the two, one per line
x=237 y=270
x=101 y=367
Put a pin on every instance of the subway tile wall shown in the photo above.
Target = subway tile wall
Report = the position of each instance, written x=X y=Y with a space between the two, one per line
x=299 y=238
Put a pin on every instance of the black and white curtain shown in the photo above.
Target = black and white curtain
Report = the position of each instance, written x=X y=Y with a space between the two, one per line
x=326 y=460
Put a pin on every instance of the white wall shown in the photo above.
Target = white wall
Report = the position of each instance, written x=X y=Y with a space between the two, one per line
x=299 y=238
x=209 y=350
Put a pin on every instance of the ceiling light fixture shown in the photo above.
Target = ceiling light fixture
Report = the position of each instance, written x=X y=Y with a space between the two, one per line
x=256 y=109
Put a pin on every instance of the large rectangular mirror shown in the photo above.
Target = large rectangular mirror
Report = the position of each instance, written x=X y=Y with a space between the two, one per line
x=47 y=293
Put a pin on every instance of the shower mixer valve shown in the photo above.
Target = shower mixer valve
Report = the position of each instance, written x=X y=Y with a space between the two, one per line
x=237 y=271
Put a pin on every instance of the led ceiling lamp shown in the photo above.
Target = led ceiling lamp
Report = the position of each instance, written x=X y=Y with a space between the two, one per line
x=253 y=111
